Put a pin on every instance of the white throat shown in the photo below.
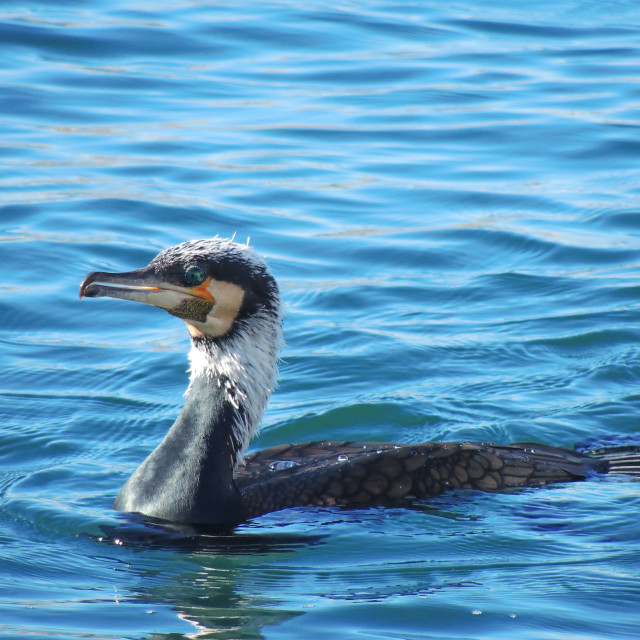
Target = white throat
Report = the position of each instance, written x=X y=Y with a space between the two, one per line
x=244 y=367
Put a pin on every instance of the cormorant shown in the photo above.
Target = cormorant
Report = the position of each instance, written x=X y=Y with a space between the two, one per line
x=226 y=295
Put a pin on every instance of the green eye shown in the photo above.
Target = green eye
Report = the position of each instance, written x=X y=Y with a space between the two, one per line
x=194 y=276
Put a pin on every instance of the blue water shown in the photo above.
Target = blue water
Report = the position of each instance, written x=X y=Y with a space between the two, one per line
x=448 y=194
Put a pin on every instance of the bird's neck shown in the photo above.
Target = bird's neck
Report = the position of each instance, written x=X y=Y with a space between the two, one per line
x=241 y=370
x=189 y=476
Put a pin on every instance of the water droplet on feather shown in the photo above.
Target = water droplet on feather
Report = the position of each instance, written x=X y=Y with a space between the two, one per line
x=279 y=465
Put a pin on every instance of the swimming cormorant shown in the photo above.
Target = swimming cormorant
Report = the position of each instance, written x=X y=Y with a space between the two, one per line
x=198 y=474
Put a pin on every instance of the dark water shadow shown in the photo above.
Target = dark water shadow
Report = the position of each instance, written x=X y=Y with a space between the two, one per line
x=143 y=533
x=205 y=575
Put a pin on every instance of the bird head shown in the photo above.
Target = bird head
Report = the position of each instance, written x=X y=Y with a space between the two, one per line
x=213 y=285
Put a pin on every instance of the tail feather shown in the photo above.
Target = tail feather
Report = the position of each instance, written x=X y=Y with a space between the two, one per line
x=624 y=464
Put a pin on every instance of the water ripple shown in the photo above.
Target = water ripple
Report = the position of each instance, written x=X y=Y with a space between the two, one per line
x=448 y=197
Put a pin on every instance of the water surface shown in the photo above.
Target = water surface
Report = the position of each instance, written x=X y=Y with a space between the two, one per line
x=448 y=196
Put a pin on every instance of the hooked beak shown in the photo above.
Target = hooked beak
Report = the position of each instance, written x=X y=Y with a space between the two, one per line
x=143 y=285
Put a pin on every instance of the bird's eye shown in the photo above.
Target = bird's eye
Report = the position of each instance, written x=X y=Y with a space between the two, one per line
x=194 y=276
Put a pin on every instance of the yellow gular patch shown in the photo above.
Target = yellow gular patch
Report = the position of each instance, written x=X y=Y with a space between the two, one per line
x=227 y=298
x=202 y=291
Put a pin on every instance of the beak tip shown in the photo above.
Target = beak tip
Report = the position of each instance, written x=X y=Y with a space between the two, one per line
x=84 y=285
